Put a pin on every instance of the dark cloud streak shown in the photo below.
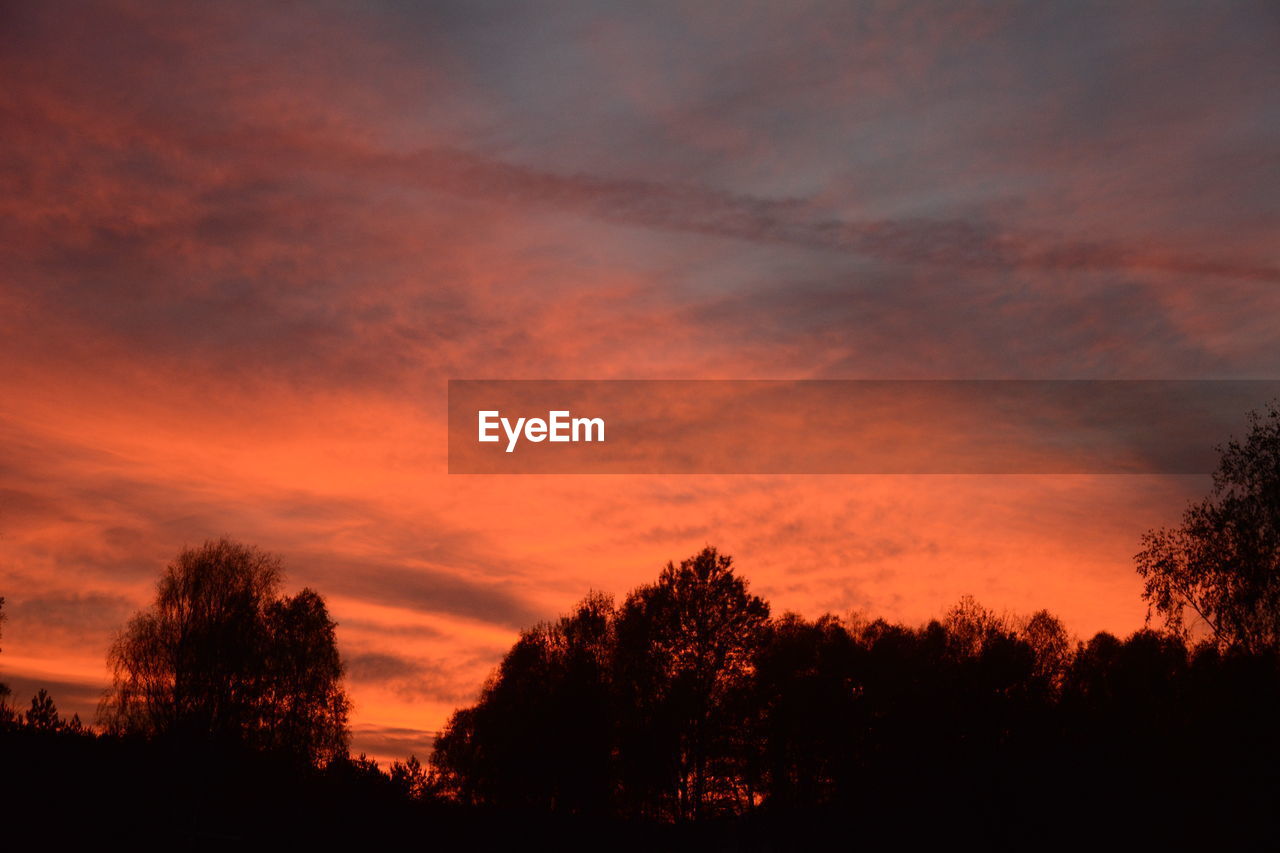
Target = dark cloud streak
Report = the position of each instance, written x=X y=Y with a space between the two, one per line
x=700 y=210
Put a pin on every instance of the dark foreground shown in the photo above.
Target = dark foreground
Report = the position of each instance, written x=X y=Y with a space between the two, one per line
x=63 y=791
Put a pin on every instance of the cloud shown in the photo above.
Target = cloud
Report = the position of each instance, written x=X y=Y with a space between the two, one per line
x=408 y=678
x=393 y=743
x=951 y=243
x=71 y=697
x=422 y=588
x=77 y=613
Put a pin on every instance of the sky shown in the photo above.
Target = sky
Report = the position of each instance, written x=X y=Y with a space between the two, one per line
x=245 y=246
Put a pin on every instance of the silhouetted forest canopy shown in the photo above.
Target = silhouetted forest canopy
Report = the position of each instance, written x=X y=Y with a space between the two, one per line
x=690 y=712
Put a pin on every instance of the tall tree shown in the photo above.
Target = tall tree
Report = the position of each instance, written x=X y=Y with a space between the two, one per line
x=1221 y=567
x=221 y=654
x=686 y=649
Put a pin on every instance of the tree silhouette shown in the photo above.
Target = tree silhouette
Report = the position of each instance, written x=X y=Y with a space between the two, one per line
x=541 y=734
x=1047 y=637
x=222 y=655
x=645 y=710
x=43 y=714
x=1223 y=562
x=686 y=649
x=808 y=692
x=411 y=778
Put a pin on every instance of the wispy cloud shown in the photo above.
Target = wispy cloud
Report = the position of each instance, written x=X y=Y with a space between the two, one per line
x=690 y=208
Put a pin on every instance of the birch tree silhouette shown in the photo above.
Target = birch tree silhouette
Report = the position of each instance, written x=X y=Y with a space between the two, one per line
x=222 y=655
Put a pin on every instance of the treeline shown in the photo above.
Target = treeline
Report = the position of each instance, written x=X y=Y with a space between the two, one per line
x=225 y=725
x=688 y=715
x=688 y=701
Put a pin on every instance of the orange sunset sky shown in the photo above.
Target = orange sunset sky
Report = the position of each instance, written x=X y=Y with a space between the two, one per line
x=245 y=246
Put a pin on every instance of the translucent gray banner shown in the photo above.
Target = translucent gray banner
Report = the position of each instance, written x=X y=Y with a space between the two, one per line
x=846 y=426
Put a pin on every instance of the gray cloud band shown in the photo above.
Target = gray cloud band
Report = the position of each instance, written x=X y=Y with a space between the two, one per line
x=799 y=222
